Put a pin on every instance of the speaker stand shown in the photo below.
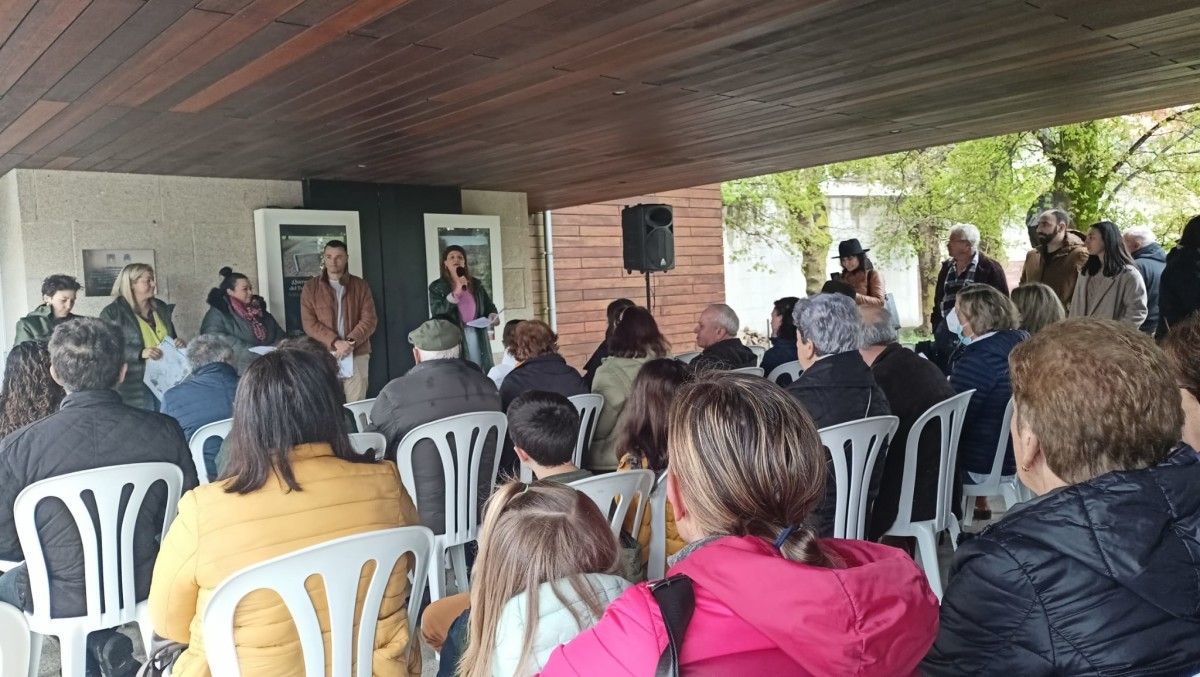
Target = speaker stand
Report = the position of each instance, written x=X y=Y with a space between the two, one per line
x=648 y=292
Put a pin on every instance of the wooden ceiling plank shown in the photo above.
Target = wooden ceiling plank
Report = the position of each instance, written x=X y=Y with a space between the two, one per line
x=311 y=40
x=250 y=19
x=36 y=32
x=35 y=116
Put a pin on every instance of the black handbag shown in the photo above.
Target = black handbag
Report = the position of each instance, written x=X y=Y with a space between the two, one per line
x=676 y=601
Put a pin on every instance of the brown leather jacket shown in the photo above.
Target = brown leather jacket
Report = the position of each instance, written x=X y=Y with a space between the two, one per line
x=868 y=286
x=318 y=311
x=1059 y=270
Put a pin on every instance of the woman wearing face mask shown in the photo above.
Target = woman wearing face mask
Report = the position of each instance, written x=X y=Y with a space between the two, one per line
x=860 y=273
x=461 y=298
x=239 y=315
x=58 y=300
x=986 y=322
x=1109 y=287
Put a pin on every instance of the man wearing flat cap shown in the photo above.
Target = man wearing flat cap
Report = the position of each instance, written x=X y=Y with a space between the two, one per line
x=441 y=384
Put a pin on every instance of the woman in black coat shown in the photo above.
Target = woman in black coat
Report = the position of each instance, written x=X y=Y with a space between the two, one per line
x=241 y=316
x=539 y=366
x=1179 y=288
x=1098 y=574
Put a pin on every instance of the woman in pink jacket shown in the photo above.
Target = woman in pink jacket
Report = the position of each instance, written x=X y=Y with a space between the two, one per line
x=747 y=469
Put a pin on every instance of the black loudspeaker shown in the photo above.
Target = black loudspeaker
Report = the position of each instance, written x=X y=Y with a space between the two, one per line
x=648 y=238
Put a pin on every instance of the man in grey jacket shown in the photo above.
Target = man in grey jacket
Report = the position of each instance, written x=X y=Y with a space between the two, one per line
x=1150 y=259
x=441 y=384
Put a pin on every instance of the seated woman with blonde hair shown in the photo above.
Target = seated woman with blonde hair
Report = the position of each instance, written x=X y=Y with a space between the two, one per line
x=766 y=595
x=1038 y=306
x=1098 y=574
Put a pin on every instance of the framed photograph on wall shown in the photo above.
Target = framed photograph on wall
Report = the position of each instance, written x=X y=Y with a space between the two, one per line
x=290 y=244
x=101 y=267
x=479 y=236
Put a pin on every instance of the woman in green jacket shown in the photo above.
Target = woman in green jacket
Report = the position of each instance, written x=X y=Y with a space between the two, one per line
x=145 y=322
x=458 y=297
x=239 y=315
x=635 y=341
x=58 y=300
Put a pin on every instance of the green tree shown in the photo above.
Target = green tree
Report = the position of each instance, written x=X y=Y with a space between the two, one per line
x=786 y=209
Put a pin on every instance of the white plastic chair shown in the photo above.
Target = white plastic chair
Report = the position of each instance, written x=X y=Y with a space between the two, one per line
x=758 y=351
x=1008 y=487
x=790 y=368
x=362 y=413
x=14 y=641
x=656 y=563
x=589 y=406
x=460 y=443
x=950 y=414
x=603 y=489
x=339 y=563
x=196 y=444
x=375 y=443
x=687 y=357
x=108 y=581
x=865 y=437
x=753 y=371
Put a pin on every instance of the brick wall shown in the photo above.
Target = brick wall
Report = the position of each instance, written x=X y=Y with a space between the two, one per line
x=588 y=272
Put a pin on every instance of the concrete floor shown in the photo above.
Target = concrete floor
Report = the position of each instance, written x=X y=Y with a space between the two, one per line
x=50 y=665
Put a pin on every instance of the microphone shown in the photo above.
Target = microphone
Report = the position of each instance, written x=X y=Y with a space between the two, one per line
x=461 y=272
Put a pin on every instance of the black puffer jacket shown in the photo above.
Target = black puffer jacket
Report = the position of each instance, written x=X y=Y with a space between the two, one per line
x=549 y=372
x=1179 y=291
x=837 y=389
x=92 y=429
x=728 y=354
x=1098 y=578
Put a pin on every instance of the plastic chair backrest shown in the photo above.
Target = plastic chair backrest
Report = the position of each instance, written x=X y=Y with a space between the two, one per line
x=339 y=563
x=656 y=562
x=108 y=559
x=362 y=413
x=375 y=443
x=603 y=489
x=460 y=444
x=758 y=351
x=588 y=405
x=790 y=368
x=14 y=641
x=950 y=413
x=997 y=472
x=865 y=438
x=687 y=357
x=753 y=371
x=196 y=444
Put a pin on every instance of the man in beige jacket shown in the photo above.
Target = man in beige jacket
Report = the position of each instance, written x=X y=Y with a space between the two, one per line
x=337 y=309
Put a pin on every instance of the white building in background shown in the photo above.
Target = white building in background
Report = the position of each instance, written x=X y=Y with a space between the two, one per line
x=754 y=282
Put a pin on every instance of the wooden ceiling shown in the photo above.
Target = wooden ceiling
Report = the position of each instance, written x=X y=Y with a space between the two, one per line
x=526 y=95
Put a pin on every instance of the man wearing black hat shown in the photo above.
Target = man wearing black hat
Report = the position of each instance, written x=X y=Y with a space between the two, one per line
x=860 y=273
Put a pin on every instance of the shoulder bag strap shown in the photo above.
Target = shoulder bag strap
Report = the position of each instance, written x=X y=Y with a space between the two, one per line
x=676 y=600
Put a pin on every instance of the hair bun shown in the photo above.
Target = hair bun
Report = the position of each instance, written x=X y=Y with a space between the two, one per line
x=225 y=272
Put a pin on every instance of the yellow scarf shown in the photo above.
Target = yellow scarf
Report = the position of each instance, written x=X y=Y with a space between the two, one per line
x=152 y=336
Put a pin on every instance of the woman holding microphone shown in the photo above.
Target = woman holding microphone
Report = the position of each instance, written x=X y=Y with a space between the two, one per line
x=458 y=297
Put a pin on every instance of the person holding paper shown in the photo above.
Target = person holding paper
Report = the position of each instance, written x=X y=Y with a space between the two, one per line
x=241 y=316
x=460 y=298
x=337 y=309
x=145 y=322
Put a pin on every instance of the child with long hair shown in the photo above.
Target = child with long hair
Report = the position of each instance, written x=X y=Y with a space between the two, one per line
x=545 y=572
x=29 y=393
x=643 y=438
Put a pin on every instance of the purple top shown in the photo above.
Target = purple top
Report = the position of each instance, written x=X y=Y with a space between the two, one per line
x=466 y=306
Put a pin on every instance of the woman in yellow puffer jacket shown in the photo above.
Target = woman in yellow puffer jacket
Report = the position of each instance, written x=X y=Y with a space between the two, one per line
x=643 y=438
x=269 y=503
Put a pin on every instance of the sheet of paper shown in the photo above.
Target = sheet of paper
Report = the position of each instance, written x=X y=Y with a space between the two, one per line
x=346 y=366
x=167 y=371
x=261 y=350
x=480 y=323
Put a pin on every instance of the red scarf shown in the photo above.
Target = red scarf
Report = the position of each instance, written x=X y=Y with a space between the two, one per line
x=252 y=313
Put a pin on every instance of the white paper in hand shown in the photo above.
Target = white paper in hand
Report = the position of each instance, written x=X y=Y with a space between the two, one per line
x=346 y=366
x=480 y=323
x=167 y=371
x=261 y=350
